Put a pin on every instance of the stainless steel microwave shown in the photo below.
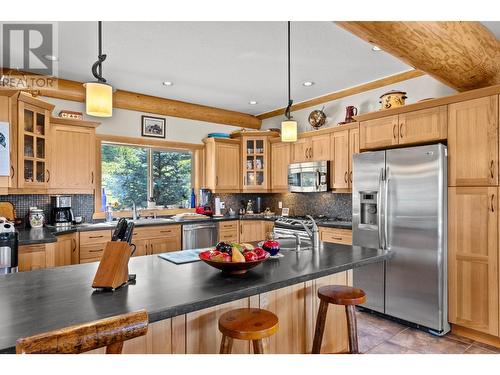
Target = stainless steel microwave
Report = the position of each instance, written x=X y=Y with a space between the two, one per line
x=308 y=177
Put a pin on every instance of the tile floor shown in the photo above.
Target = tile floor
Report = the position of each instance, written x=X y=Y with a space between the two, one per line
x=381 y=336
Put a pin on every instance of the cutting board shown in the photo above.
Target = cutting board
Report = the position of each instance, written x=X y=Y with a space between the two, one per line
x=183 y=256
x=7 y=211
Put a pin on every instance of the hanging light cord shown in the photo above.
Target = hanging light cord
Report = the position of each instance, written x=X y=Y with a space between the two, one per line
x=97 y=67
x=290 y=101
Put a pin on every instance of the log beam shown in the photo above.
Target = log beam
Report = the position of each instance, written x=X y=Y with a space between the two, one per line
x=462 y=55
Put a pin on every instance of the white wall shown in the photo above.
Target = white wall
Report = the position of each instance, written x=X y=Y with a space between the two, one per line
x=416 y=88
x=128 y=123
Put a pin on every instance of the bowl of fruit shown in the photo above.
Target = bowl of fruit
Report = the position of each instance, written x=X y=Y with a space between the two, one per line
x=234 y=258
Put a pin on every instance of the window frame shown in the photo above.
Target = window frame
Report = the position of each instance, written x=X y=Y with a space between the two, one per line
x=197 y=175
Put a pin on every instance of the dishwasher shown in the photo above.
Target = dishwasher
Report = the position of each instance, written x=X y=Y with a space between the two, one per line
x=199 y=236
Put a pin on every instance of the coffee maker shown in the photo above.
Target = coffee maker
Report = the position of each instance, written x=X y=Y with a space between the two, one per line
x=62 y=215
x=204 y=207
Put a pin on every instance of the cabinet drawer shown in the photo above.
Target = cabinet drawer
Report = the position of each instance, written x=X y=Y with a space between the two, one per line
x=90 y=260
x=228 y=235
x=91 y=251
x=97 y=236
x=226 y=225
x=156 y=231
x=334 y=235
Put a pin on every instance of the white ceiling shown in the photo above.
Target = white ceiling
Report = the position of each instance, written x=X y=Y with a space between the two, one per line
x=224 y=64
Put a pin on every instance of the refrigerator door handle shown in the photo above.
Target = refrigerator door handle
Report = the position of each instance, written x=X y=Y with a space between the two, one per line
x=379 y=207
x=386 y=209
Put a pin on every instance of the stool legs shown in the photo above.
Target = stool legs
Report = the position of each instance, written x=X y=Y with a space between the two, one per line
x=320 y=327
x=258 y=346
x=226 y=345
x=350 y=311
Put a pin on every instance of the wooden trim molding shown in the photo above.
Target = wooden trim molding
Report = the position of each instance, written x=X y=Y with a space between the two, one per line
x=462 y=55
x=347 y=92
x=73 y=122
x=147 y=142
x=74 y=91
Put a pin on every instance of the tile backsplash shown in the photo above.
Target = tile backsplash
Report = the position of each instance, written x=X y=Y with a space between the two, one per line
x=82 y=204
x=327 y=203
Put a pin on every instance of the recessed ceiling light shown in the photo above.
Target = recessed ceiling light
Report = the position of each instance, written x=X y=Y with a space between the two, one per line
x=50 y=57
x=307 y=83
x=168 y=83
x=252 y=102
x=376 y=48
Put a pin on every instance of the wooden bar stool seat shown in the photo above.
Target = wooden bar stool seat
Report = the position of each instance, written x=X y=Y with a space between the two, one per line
x=109 y=333
x=247 y=324
x=338 y=295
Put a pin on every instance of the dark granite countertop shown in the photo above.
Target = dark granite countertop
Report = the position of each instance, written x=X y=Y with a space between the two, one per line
x=43 y=300
x=48 y=234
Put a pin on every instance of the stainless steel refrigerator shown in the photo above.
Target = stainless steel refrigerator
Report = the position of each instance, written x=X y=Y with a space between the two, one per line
x=400 y=204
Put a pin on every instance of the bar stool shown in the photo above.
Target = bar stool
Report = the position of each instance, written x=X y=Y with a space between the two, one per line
x=338 y=295
x=247 y=324
x=109 y=333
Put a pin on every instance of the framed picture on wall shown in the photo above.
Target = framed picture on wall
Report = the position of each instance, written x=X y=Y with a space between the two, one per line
x=154 y=127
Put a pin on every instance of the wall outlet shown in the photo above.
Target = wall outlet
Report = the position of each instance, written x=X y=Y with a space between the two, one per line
x=222 y=205
x=280 y=204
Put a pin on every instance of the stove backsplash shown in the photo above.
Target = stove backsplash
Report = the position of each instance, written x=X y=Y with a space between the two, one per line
x=329 y=204
x=82 y=204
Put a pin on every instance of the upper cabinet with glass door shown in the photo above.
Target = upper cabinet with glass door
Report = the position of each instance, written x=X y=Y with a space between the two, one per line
x=33 y=137
x=255 y=148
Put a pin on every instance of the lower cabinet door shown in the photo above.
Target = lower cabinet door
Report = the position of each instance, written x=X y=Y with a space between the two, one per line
x=141 y=247
x=64 y=251
x=473 y=258
x=164 y=245
x=251 y=230
x=31 y=258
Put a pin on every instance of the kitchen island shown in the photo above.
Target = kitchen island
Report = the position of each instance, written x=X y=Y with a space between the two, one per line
x=185 y=301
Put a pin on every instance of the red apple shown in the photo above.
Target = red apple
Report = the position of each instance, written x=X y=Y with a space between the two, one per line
x=261 y=253
x=250 y=256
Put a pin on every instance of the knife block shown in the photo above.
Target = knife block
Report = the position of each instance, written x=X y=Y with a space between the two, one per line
x=113 y=267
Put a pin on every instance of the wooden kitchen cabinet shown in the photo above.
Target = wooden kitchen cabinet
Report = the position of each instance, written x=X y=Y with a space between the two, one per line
x=335 y=235
x=31 y=257
x=422 y=126
x=229 y=231
x=252 y=230
x=344 y=145
x=255 y=160
x=33 y=142
x=473 y=142
x=72 y=155
x=379 y=133
x=320 y=146
x=65 y=251
x=340 y=166
x=280 y=159
x=157 y=239
x=8 y=113
x=473 y=258
x=301 y=150
x=92 y=245
x=223 y=166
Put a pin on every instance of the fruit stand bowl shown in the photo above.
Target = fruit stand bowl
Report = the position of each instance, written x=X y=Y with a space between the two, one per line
x=233 y=268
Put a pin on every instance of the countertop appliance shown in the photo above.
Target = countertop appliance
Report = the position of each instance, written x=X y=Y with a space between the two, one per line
x=204 y=207
x=8 y=247
x=199 y=235
x=62 y=214
x=308 y=177
x=400 y=204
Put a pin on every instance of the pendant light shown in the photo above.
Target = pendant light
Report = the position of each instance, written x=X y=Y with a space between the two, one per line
x=289 y=126
x=99 y=95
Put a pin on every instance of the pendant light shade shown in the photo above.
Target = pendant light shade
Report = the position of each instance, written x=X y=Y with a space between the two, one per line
x=99 y=95
x=288 y=126
x=98 y=99
x=288 y=131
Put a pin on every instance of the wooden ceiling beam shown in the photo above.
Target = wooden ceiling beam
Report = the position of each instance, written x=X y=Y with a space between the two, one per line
x=74 y=91
x=462 y=55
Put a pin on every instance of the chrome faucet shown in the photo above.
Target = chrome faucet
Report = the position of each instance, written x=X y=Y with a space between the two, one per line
x=312 y=233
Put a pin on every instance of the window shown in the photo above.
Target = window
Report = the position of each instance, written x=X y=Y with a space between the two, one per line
x=134 y=174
